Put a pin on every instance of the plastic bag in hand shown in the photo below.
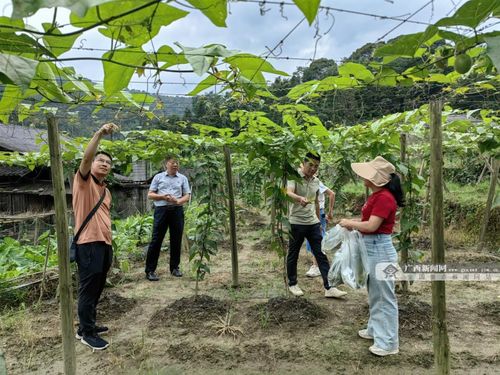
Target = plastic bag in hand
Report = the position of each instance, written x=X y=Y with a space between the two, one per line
x=333 y=238
x=350 y=263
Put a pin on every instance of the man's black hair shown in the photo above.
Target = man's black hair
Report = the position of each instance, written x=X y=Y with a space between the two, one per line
x=310 y=155
x=103 y=153
x=170 y=157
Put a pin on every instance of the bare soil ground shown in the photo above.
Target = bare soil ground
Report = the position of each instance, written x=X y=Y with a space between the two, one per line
x=161 y=328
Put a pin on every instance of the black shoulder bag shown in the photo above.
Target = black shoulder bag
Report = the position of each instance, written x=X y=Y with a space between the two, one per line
x=73 y=246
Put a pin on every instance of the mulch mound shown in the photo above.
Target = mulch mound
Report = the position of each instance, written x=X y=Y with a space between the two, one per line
x=490 y=311
x=112 y=305
x=295 y=312
x=262 y=245
x=190 y=312
x=414 y=315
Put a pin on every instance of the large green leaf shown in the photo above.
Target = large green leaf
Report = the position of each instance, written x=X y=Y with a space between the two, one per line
x=305 y=88
x=309 y=8
x=201 y=59
x=47 y=84
x=117 y=77
x=386 y=77
x=208 y=82
x=11 y=97
x=57 y=44
x=493 y=50
x=358 y=71
x=215 y=10
x=169 y=56
x=252 y=64
x=19 y=70
x=21 y=45
x=134 y=29
x=406 y=45
x=471 y=14
x=8 y=22
x=143 y=98
x=23 y=8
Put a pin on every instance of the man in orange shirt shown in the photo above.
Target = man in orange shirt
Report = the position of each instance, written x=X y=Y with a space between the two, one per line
x=94 y=252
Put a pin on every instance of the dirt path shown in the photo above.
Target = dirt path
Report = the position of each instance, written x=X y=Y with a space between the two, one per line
x=158 y=328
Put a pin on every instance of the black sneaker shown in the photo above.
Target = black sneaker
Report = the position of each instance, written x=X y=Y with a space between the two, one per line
x=152 y=276
x=94 y=342
x=98 y=330
x=176 y=272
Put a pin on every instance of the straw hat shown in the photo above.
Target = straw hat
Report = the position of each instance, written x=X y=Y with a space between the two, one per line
x=378 y=171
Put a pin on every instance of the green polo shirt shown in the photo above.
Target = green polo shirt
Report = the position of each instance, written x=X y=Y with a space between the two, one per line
x=308 y=189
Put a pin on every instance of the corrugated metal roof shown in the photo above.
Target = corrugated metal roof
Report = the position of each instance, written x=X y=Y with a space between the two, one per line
x=8 y=171
x=37 y=188
x=21 y=138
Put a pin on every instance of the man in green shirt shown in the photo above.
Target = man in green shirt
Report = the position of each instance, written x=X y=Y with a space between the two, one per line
x=304 y=219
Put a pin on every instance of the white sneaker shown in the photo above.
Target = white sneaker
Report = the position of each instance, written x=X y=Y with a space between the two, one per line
x=334 y=293
x=295 y=290
x=364 y=334
x=313 y=271
x=382 y=352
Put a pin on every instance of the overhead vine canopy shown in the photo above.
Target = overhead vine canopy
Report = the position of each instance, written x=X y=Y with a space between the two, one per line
x=30 y=58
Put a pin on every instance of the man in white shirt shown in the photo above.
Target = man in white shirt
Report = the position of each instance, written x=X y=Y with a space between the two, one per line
x=170 y=191
x=324 y=220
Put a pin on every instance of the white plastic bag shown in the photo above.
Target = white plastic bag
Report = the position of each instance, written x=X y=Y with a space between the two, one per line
x=333 y=238
x=350 y=263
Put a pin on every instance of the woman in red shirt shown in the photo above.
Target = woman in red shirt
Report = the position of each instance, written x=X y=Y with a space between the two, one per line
x=376 y=225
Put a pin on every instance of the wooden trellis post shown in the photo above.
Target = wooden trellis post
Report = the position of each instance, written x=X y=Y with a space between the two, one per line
x=404 y=251
x=495 y=164
x=439 y=330
x=232 y=216
x=65 y=288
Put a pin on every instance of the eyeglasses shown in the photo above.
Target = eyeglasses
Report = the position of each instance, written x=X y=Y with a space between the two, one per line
x=105 y=161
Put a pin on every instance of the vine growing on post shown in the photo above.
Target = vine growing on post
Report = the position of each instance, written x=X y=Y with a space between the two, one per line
x=209 y=213
x=278 y=149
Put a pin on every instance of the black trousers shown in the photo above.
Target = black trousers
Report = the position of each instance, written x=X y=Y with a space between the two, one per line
x=93 y=260
x=166 y=217
x=313 y=235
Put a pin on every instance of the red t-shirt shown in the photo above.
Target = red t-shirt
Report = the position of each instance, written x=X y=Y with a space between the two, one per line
x=381 y=204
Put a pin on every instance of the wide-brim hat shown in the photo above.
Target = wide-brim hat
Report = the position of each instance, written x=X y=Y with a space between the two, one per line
x=378 y=171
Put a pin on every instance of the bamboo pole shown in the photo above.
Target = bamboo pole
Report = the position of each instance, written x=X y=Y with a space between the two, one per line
x=421 y=169
x=439 y=329
x=274 y=224
x=47 y=254
x=65 y=288
x=480 y=178
x=232 y=216
x=37 y=230
x=489 y=202
x=406 y=238
x=423 y=221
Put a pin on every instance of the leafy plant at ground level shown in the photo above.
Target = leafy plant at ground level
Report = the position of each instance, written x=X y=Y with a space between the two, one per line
x=128 y=234
x=17 y=259
x=208 y=216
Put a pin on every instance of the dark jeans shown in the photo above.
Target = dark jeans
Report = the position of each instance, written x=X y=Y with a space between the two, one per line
x=93 y=260
x=313 y=235
x=166 y=217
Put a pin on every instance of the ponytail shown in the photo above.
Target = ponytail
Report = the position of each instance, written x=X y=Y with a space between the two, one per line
x=394 y=186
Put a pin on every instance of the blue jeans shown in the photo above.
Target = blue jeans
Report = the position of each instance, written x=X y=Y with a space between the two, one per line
x=383 y=323
x=322 y=217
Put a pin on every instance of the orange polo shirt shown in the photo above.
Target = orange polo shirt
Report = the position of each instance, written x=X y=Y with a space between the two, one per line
x=86 y=194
